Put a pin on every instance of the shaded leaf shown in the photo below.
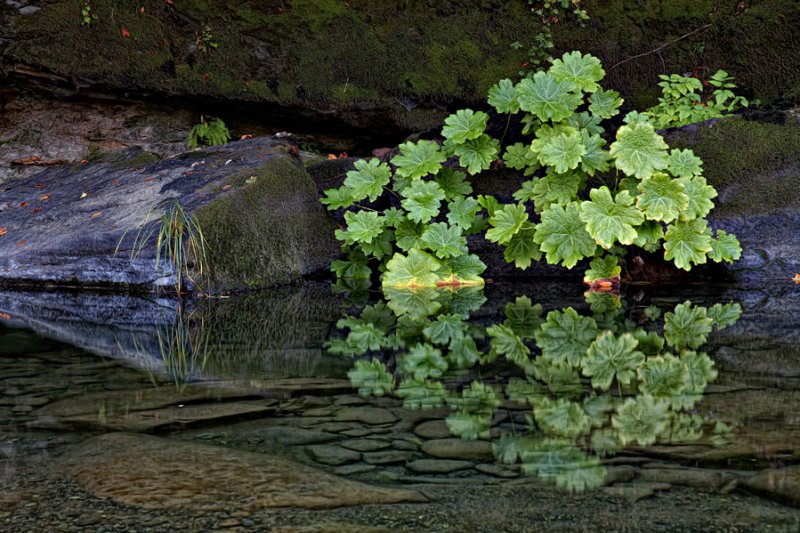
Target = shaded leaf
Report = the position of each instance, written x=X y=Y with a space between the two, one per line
x=562 y=235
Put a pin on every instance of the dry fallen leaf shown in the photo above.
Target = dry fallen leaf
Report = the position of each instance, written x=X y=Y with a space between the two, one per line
x=40 y=185
x=23 y=204
x=3 y=231
x=44 y=197
x=245 y=137
x=796 y=277
x=97 y=214
x=5 y=316
x=84 y=195
x=20 y=243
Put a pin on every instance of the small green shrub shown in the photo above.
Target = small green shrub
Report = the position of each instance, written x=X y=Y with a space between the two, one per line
x=209 y=133
x=686 y=100
x=583 y=201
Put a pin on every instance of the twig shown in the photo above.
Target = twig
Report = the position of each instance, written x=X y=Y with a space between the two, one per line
x=657 y=50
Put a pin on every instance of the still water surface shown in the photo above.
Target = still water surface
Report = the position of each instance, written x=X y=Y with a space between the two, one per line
x=522 y=407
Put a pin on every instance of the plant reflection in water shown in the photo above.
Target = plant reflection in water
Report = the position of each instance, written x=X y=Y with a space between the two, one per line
x=594 y=382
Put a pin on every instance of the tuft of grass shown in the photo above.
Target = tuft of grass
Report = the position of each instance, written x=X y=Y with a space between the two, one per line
x=179 y=242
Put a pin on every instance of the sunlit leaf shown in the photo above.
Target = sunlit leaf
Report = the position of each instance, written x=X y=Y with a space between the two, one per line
x=562 y=235
x=699 y=193
x=464 y=125
x=381 y=246
x=640 y=419
x=687 y=327
x=417 y=269
x=562 y=152
x=519 y=156
x=606 y=267
x=503 y=97
x=477 y=154
x=419 y=159
x=547 y=98
x=422 y=200
x=506 y=222
x=337 y=198
x=725 y=248
x=353 y=267
x=609 y=220
x=464 y=269
x=444 y=240
x=687 y=242
x=662 y=198
x=362 y=227
x=582 y=70
x=604 y=104
x=684 y=164
x=461 y=212
x=565 y=336
x=610 y=356
x=368 y=179
x=639 y=151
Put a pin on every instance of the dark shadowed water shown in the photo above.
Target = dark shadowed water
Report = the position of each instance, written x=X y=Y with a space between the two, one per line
x=521 y=407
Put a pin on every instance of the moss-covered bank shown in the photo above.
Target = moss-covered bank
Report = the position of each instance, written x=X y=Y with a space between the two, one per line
x=402 y=59
x=263 y=229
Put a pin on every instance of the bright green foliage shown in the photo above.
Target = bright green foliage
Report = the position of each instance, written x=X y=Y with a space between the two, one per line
x=417 y=269
x=562 y=152
x=663 y=377
x=362 y=227
x=725 y=315
x=371 y=378
x=662 y=198
x=577 y=195
x=562 y=418
x=503 y=97
x=506 y=342
x=522 y=317
x=610 y=356
x=445 y=329
x=609 y=220
x=565 y=336
x=209 y=133
x=368 y=179
x=562 y=235
x=464 y=125
x=469 y=426
x=423 y=199
x=444 y=241
x=422 y=394
x=684 y=101
x=640 y=419
x=506 y=222
x=424 y=361
x=639 y=151
x=684 y=164
x=687 y=242
x=547 y=97
x=700 y=194
x=602 y=268
x=725 y=248
x=604 y=104
x=477 y=154
x=419 y=159
x=582 y=70
x=687 y=327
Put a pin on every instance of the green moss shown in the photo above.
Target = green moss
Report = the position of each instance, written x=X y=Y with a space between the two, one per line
x=754 y=165
x=270 y=231
x=139 y=160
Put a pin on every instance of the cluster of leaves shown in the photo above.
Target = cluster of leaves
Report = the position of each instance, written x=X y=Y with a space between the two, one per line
x=583 y=200
x=211 y=132
x=688 y=99
x=204 y=40
x=550 y=13
x=87 y=15
x=594 y=383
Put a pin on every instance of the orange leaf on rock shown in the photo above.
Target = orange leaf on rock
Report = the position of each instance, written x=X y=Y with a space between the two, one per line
x=20 y=243
x=44 y=197
x=3 y=231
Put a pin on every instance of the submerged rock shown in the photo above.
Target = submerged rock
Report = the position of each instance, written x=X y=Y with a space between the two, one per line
x=781 y=483
x=78 y=225
x=176 y=474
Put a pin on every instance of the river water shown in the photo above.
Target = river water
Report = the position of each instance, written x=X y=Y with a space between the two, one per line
x=526 y=406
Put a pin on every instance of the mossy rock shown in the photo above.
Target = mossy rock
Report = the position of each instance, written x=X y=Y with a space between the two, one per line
x=268 y=228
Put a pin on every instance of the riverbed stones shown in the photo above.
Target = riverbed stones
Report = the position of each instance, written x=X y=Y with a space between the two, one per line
x=433 y=429
x=438 y=466
x=366 y=415
x=779 y=483
x=176 y=474
x=458 y=449
x=332 y=455
x=365 y=445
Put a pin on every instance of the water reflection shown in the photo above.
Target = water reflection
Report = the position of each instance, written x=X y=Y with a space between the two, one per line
x=592 y=382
